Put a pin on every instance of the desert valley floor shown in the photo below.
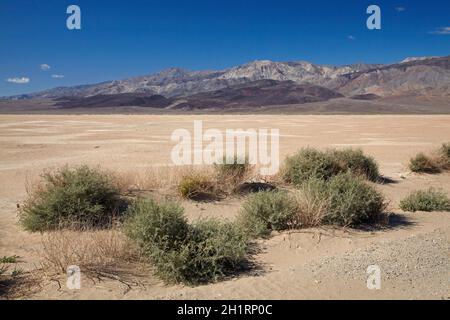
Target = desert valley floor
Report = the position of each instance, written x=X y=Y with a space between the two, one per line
x=413 y=253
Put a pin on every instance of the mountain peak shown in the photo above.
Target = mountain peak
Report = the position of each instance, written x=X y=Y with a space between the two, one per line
x=411 y=59
x=424 y=75
x=173 y=72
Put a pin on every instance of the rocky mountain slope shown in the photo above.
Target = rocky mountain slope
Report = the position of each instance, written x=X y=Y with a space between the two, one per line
x=253 y=94
x=416 y=77
x=262 y=83
x=178 y=82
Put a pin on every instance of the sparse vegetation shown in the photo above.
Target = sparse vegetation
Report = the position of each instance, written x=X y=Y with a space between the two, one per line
x=11 y=279
x=311 y=163
x=266 y=211
x=224 y=179
x=344 y=200
x=3 y=270
x=445 y=156
x=180 y=252
x=196 y=186
x=9 y=259
x=233 y=169
x=212 y=250
x=426 y=200
x=94 y=251
x=356 y=162
x=312 y=202
x=422 y=163
x=352 y=201
x=437 y=162
x=80 y=197
x=152 y=224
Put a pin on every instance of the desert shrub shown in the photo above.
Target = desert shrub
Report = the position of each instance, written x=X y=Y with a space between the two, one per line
x=357 y=162
x=196 y=186
x=9 y=259
x=72 y=198
x=309 y=163
x=438 y=161
x=234 y=168
x=156 y=224
x=344 y=199
x=352 y=201
x=180 y=252
x=444 y=153
x=426 y=200
x=212 y=250
x=232 y=173
x=422 y=163
x=266 y=211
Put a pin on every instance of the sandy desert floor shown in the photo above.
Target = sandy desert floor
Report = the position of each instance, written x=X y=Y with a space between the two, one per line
x=414 y=253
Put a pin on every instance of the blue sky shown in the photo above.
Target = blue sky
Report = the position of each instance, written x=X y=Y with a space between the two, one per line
x=120 y=39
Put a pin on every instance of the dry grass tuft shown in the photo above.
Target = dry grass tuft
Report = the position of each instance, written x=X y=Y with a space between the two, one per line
x=435 y=162
x=164 y=179
x=93 y=251
x=211 y=182
x=312 y=207
x=14 y=281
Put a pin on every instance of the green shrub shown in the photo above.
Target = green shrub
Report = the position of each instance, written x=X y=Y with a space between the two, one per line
x=197 y=187
x=428 y=200
x=9 y=259
x=266 y=211
x=212 y=250
x=352 y=201
x=423 y=164
x=344 y=200
x=309 y=163
x=153 y=224
x=202 y=252
x=357 y=162
x=80 y=197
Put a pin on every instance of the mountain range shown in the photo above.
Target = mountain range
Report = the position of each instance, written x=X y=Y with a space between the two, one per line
x=261 y=83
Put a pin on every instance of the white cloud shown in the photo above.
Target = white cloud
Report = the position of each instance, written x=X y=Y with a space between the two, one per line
x=57 y=76
x=400 y=9
x=444 y=30
x=44 y=67
x=22 y=80
x=350 y=37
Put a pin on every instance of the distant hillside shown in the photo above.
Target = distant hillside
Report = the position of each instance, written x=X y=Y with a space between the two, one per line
x=115 y=100
x=178 y=82
x=259 y=93
x=416 y=77
x=261 y=83
x=253 y=94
